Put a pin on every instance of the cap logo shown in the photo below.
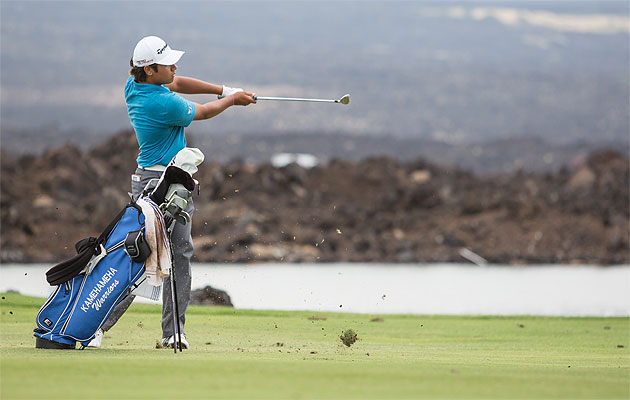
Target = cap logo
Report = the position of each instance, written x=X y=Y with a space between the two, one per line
x=160 y=51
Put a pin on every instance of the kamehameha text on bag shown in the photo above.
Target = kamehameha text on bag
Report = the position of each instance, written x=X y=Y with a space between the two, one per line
x=95 y=302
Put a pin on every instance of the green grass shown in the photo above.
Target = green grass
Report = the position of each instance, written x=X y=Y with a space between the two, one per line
x=272 y=355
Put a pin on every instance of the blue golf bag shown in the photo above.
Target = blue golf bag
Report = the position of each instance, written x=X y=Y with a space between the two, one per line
x=108 y=268
x=80 y=305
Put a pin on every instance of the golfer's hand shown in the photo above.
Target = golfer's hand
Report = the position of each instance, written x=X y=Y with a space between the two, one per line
x=243 y=98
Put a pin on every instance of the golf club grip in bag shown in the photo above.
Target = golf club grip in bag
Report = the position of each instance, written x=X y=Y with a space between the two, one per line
x=78 y=307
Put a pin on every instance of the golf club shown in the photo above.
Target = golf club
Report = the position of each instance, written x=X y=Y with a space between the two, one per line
x=345 y=99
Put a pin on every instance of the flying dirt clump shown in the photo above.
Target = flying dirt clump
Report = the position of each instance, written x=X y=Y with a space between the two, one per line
x=348 y=337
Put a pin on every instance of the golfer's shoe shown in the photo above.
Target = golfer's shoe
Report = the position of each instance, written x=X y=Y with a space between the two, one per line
x=170 y=341
x=96 y=342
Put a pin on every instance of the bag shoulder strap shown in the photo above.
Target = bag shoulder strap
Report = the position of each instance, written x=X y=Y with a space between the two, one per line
x=86 y=248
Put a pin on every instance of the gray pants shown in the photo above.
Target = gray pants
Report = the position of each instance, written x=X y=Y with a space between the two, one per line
x=181 y=241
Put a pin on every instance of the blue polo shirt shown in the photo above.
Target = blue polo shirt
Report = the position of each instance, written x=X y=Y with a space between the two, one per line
x=158 y=117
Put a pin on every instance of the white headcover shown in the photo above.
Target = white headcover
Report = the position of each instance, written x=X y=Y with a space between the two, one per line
x=188 y=159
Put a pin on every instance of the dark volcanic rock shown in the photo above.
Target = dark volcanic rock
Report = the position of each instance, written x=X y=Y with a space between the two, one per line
x=375 y=210
x=210 y=296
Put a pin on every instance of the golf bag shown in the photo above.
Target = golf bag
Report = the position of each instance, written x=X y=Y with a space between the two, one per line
x=92 y=283
x=112 y=266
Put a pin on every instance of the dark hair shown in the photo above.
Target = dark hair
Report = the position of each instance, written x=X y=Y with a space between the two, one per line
x=138 y=72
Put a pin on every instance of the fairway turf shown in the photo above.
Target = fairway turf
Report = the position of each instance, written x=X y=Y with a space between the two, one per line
x=272 y=354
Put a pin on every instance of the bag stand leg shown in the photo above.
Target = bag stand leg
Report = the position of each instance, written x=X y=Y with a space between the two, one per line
x=175 y=309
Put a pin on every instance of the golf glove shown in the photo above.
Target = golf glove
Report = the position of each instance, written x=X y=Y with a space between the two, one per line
x=228 y=91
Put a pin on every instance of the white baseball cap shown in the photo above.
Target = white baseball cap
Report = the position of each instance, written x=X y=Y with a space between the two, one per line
x=153 y=50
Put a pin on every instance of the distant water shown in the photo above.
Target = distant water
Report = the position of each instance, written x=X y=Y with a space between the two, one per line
x=553 y=290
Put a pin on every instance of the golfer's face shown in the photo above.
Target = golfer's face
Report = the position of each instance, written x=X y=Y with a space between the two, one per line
x=165 y=73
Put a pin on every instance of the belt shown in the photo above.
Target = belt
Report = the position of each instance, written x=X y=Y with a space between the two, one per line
x=156 y=167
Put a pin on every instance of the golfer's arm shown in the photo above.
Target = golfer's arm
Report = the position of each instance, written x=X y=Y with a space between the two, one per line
x=212 y=108
x=185 y=85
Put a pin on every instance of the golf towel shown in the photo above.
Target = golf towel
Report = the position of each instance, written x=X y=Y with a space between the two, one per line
x=158 y=265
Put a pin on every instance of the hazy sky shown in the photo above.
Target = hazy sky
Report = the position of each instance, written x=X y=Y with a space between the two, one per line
x=411 y=67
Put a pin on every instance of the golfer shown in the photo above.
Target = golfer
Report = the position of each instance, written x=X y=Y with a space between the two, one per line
x=158 y=116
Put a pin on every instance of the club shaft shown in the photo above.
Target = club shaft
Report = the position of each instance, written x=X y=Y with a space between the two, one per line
x=296 y=99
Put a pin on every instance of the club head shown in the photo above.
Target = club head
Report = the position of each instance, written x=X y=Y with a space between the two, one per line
x=344 y=100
